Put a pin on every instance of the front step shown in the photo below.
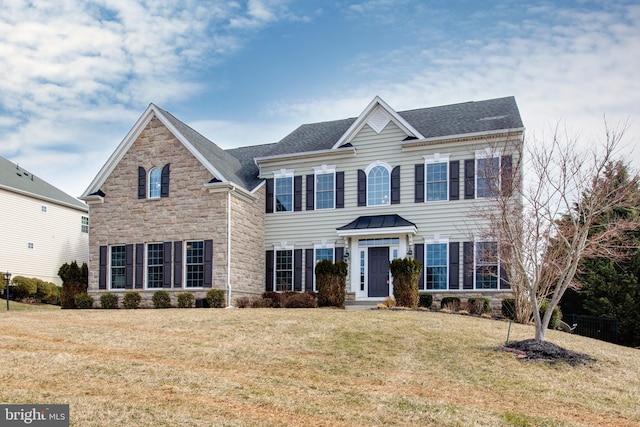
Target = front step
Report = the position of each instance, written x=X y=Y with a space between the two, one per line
x=360 y=305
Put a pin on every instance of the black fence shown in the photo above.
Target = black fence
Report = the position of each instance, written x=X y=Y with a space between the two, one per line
x=600 y=328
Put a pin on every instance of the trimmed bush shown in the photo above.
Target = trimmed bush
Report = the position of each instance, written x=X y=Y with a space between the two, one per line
x=161 y=299
x=109 y=300
x=48 y=292
x=479 y=305
x=185 y=300
x=425 y=300
x=406 y=274
x=451 y=303
x=23 y=287
x=83 y=300
x=271 y=299
x=215 y=298
x=556 y=316
x=300 y=300
x=331 y=280
x=74 y=281
x=508 y=308
x=131 y=299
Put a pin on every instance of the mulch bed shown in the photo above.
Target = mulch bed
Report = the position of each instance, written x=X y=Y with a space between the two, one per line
x=545 y=351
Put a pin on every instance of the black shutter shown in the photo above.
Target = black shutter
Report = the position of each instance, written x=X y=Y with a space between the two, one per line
x=469 y=179
x=269 y=269
x=269 y=198
x=297 y=193
x=128 y=269
x=309 y=265
x=506 y=175
x=139 y=265
x=102 y=273
x=362 y=188
x=339 y=254
x=142 y=183
x=208 y=264
x=164 y=181
x=468 y=265
x=339 y=190
x=166 y=268
x=504 y=279
x=310 y=191
x=454 y=180
x=297 y=270
x=419 y=183
x=395 y=185
x=177 y=264
x=419 y=255
x=454 y=265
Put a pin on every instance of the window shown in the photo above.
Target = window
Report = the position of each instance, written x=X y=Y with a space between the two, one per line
x=284 y=270
x=84 y=227
x=437 y=181
x=487 y=176
x=487 y=265
x=436 y=266
x=284 y=194
x=43 y=208
x=195 y=264
x=29 y=245
x=378 y=186
x=118 y=267
x=324 y=253
x=325 y=188
x=155 y=182
x=155 y=256
x=362 y=258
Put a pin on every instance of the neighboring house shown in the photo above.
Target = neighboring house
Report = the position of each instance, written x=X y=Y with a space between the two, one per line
x=172 y=210
x=43 y=227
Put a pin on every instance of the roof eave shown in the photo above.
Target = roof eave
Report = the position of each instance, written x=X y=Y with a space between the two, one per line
x=44 y=198
x=382 y=231
x=333 y=152
x=463 y=137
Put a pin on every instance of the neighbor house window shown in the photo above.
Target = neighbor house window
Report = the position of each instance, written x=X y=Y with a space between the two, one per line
x=487 y=265
x=436 y=266
x=155 y=256
x=155 y=183
x=487 y=177
x=284 y=270
x=84 y=227
x=325 y=190
x=378 y=186
x=29 y=245
x=437 y=182
x=43 y=208
x=118 y=266
x=284 y=194
x=195 y=264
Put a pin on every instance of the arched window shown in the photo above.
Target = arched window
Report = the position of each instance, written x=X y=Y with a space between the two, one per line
x=155 y=179
x=378 y=186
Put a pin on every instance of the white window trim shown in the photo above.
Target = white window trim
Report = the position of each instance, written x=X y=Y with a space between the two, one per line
x=184 y=264
x=146 y=265
x=149 y=184
x=433 y=159
x=283 y=246
x=323 y=170
x=389 y=169
x=283 y=173
x=322 y=245
x=487 y=153
x=437 y=240
x=109 y=274
x=475 y=265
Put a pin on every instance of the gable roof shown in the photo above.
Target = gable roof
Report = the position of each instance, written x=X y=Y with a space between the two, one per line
x=16 y=179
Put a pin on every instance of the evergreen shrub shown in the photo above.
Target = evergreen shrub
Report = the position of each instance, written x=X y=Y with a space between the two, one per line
x=161 y=299
x=406 y=274
x=451 y=303
x=109 y=300
x=215 y=298
x=425 y=300
x=185 y=300
x=479 y=305
x=83 y=300
x=301 y=300
x=508 y=308
x=131 y=299
x=331 y=281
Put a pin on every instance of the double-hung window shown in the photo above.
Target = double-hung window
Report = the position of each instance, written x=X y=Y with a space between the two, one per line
x=118 y=266
x=194 y=264
x=155 y=183
x=155 y=257
x=436 y=265
x=436 y=177
x=84 y=227
x=325 y=190
x=487 y=265
x=284 y=193
x=487 y=173
x=379 y=186
x=284 y=270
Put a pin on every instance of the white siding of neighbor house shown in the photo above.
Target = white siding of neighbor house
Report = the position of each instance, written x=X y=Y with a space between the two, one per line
x=55 y=234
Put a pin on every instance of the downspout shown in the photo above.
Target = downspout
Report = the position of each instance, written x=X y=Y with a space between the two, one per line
x=229 y=246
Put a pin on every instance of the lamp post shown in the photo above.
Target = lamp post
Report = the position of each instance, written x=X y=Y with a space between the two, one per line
x=7 y=277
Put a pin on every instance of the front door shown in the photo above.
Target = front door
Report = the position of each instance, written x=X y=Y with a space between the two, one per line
x=378 y=272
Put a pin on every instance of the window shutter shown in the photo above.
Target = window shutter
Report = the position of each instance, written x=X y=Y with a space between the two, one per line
x=339 y=190
x=139 y=265
x=469 y=179
x=269 y=198
x=310 y=192
x=164 y=181
x=419 y=184
x=419 y=255
x=467 y=249
x=395 y=185
x=128 y=268
x=308 y=270
x=297 y=193
x=208 y=264
x=506 y=175
x=454 y=180
x=504 y=277
x=166 y=267
x=454 y=265
x=297 y=270
x=102 y=274
x=362 y=188
x=339 y=254
x=177 y=264
x=142 y=183
x=269 y=269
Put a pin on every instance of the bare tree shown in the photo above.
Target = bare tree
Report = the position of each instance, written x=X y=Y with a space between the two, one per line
x=551 y=213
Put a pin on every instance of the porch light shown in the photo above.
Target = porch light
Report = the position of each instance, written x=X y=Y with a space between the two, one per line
x=346 y=256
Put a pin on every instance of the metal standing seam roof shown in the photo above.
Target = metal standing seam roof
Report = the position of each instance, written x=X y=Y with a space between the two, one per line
x=377 y=221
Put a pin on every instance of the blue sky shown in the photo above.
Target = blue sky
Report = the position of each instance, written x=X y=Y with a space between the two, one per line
x=77 y=74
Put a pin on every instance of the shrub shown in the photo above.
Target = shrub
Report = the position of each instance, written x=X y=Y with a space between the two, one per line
x=215 y=298
x=508 y=308
x=109 y=300
x=74 y=282
x=388 y=302
x=161 y=299
x=425 y=300
x=131 y=299
x=272 y=299
x=301 y=300
x=48 y=292
x=243 y=302
x=479 y=305
x=83 y=300
x=406 y=274
x=258 y=302
x=185 y=300
x=556 y=316
x=23 y=287
x=451 y=303
x=331 y=280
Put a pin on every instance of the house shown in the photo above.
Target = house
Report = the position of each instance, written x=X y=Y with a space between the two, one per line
x=171 y=210
x=43 y=227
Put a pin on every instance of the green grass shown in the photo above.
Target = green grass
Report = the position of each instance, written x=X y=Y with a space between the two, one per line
x=18 y=306
x=272 y=367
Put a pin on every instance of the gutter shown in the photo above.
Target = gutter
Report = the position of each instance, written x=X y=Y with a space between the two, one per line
x=232 y=188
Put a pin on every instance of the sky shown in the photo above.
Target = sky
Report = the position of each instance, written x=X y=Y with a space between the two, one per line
x=77 y=74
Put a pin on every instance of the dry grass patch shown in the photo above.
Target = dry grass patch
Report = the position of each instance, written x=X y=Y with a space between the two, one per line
x=268 y=367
